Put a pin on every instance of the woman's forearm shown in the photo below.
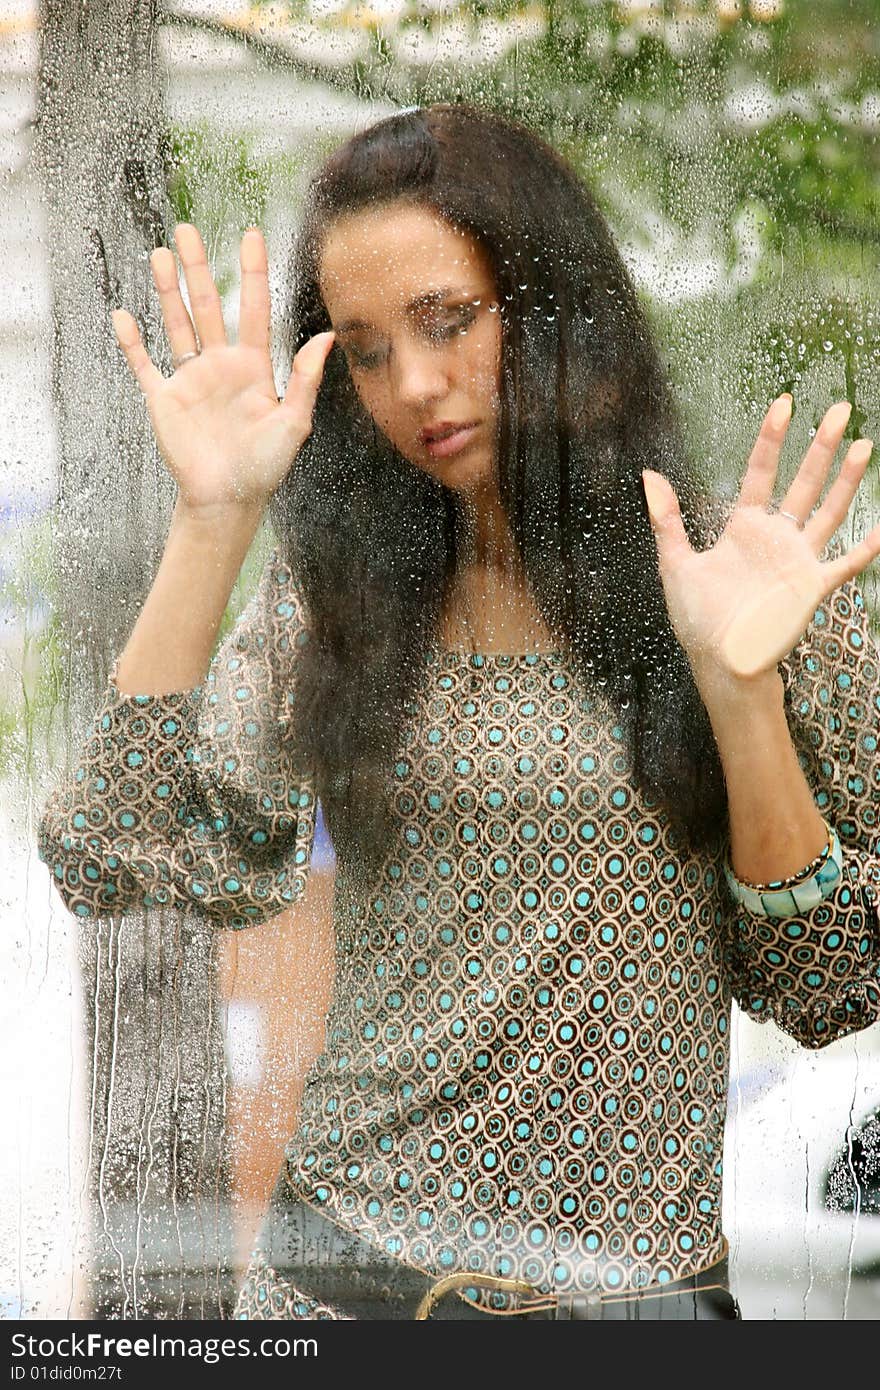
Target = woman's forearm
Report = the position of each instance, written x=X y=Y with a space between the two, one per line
x=172 y=641
x=775 y=826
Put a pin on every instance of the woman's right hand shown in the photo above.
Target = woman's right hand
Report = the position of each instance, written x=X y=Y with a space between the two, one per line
x=223 y=433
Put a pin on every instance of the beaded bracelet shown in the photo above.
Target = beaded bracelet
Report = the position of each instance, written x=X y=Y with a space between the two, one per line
x=800 y=892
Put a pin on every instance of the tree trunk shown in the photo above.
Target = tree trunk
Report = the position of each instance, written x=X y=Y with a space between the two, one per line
x=156 y=1169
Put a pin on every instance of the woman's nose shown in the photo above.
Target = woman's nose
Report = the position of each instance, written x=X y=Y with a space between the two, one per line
x=419 y=373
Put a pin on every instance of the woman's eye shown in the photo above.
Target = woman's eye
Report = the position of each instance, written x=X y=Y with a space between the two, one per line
x=363 y=360
x=459 y=320
x=436 y=330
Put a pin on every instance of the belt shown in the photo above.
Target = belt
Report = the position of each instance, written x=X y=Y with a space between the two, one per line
x=336 y=1267
x=576 y=1306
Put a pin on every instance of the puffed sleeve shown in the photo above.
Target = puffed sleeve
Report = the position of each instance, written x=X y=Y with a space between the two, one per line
x=191 y=799
x=818 y=974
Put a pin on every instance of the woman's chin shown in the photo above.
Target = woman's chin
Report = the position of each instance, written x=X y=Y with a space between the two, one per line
x=465 y=472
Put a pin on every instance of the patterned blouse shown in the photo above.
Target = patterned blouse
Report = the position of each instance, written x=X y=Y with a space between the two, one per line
x=527 y=1048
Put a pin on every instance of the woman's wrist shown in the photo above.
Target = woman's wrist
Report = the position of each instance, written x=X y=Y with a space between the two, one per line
x=800 y=875
x=798 y=893
x=219 y=520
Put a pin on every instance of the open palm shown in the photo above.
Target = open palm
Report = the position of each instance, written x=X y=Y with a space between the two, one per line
x=223 y=433
x=740 y=607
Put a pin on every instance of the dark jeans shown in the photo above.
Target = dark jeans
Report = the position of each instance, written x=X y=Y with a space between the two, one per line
x=337 y=1267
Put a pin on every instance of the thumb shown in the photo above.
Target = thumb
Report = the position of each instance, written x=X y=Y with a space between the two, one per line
x=308 y=364
x=302 y=386
x=665 y=516
x=307 y=370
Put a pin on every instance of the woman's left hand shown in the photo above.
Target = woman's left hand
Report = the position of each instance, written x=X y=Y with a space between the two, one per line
x=740 y=607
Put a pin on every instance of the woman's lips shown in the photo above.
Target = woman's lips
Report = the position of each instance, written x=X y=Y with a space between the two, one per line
x=451 y=443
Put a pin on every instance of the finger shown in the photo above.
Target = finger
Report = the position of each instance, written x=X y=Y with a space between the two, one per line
x=760 y=475
x=144 y=370
x=253 y=325
x=204 y=299
x=305 y=378
x=665 y=515
x=823 y=524
x=837 y=572
x=807 y=485
x=178 y=325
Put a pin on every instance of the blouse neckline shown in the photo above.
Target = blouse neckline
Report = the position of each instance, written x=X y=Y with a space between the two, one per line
x=450 y=656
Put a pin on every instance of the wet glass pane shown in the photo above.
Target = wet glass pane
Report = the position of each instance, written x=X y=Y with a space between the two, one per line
x=422 y=862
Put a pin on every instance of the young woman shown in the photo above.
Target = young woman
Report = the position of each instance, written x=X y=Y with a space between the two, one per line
x=594 y=757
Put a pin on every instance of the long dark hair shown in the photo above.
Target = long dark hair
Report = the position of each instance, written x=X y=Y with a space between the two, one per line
x=585 y=406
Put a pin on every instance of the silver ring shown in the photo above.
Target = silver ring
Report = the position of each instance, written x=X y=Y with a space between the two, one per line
x=184 y=357
x=791 y=516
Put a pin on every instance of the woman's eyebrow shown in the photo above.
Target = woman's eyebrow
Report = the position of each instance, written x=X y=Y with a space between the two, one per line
x=430 y=299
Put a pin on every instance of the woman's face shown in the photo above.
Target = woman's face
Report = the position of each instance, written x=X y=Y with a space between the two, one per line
x=413 y=304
